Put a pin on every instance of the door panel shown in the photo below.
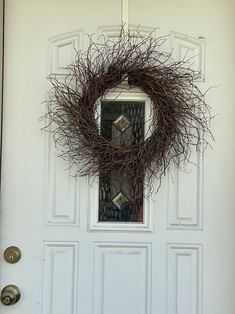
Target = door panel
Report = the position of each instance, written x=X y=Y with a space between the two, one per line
x=111 y=275
x=180 y=260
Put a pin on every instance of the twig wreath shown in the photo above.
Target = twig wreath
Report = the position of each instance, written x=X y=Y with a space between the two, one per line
x=180 y=115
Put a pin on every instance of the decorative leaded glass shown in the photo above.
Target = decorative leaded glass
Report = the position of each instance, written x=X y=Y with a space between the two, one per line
x=119 y=200
x=122 y=123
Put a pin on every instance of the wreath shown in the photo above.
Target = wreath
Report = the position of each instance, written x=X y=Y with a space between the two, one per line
x=180 y=115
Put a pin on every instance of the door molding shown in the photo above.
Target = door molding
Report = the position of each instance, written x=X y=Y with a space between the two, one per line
x=2 y=5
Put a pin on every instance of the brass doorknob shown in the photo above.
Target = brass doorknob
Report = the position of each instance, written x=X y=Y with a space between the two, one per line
x=10 y=295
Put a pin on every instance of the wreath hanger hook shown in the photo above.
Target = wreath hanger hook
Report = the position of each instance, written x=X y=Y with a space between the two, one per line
x=125 y=15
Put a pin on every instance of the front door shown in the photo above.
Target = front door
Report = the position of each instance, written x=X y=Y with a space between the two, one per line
x=175 y=257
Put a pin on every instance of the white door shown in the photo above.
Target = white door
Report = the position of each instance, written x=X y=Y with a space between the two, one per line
x=179 y=258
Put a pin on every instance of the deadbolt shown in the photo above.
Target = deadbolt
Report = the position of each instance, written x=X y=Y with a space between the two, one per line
x=10 y=295
x=12 y=254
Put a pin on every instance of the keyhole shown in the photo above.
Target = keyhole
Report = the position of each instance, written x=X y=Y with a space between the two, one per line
x=11 y=257
x=7 y=300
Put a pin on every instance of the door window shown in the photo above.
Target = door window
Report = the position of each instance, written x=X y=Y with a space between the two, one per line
x=120 y=200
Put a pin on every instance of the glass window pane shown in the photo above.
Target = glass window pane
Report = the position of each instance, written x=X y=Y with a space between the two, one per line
x=119 y=199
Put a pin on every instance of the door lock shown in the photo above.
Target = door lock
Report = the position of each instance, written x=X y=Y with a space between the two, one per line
x=12 y=254
x=10 y=295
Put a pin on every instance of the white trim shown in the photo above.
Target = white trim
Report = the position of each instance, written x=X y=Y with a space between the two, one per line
x=112 y=32
x=74 y=39
x=2 y=5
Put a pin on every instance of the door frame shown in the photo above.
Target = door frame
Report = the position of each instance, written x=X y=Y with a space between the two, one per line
x=2 y=6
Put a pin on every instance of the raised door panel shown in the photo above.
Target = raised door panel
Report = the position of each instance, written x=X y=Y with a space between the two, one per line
x=122 y=282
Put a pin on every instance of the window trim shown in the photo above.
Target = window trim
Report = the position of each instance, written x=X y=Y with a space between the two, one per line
x=93 y=222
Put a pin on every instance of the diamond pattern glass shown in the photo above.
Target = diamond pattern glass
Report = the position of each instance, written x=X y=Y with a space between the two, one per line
x=122 y=123
x=119 y=200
